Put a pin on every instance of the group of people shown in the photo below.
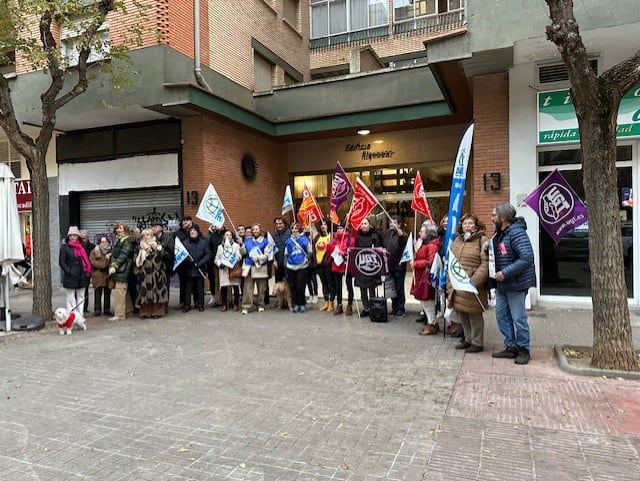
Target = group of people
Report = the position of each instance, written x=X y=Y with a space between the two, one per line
x=138 y=267
x=504 y=263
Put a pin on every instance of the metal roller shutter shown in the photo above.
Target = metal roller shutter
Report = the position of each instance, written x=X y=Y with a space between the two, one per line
x=99 y=211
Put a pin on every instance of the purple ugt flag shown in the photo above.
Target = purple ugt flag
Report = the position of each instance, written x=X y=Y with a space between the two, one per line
x=558 y=206
x=340 y=189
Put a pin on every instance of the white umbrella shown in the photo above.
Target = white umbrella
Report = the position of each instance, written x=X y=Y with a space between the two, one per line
x=10 y=240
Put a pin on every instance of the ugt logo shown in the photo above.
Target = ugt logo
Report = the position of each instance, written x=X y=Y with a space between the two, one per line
x=368 y=262
x=556 y=203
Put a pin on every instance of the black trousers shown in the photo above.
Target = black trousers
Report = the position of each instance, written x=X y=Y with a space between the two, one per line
x=101 y=294
x=194 y=286
x=298 y=284
x=326 y=279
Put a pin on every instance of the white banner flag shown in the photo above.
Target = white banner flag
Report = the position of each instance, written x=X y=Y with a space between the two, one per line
x=287 y=202
x=179 y=252
x=211 y=208
x=407 y=253
x=460 y=281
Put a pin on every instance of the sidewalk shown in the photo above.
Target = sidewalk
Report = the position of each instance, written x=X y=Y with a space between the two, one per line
x=280 y=396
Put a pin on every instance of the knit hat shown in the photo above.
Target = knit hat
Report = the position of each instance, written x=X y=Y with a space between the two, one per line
x=73 y=230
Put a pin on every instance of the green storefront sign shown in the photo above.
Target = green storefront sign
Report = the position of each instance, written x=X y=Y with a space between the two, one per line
x=557 y=120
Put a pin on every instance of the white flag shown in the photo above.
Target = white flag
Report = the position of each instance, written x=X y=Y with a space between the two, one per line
x=407 y=253
x=179 y=253
x=272 y=248
x=287 y=202
x=211 y=208
x=436 y=267
x=460 y=281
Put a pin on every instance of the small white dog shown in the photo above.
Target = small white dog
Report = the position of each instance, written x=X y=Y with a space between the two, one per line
x=66 y=320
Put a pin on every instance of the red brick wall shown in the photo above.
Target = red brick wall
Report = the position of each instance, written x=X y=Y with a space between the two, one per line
x=212 y=152
x=490 y=143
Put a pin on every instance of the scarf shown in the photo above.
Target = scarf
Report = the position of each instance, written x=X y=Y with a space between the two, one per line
x=146 y=247
x=78 y=251
x=101 y=251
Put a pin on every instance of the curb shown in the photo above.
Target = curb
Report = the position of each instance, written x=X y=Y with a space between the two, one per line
x=564 y=365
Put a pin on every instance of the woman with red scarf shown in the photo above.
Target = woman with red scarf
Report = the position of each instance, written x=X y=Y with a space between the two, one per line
x=76 y=270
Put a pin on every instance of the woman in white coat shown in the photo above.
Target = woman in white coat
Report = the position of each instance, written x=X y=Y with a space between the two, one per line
x=228 y=255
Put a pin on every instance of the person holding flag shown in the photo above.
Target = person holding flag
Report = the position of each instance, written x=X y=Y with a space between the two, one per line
x=472 y=262
x=367 y=237
x=194 y=267
x=394 y=240
x=427 y=247
x=280 y=234
x=256 y=250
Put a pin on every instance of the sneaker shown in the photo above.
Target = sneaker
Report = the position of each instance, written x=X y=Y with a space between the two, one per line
x=212 y=300
x=296 y=309
x=523 y=356
x=260 y=309
x=314 y=300
x=399 y=314
x=245 y=311
x=507 y=353
x=422 y=318
x=302 y=309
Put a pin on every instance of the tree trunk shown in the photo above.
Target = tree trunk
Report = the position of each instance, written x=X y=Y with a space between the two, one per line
x=612 y=336
x=40 y=237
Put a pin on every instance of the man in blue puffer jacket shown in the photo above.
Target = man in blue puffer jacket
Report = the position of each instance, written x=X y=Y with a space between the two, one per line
x=515 y=274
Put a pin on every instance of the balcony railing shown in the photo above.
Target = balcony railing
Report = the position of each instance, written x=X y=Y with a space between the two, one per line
x=439 y=22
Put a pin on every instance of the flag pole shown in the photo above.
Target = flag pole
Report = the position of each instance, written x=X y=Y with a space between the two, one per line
x=229 y=217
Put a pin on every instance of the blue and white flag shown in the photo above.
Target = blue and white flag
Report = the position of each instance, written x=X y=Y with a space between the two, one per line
x=458 y=277
x=179 y=252
x=211 y=208
x=272 y=248
x=436 y=269
x=287 y=202
x=407 y=253
x=456 y=195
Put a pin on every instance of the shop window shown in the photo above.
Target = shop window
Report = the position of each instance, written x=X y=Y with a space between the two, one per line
x=564 y=267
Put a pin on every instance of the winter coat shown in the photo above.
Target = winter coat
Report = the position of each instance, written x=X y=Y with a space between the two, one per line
x=341 y=243
x=200 y=255
x=259 y=270
x=168 y=243
x=395 y=244
x=280 y=238
x=423 y=259
x=73 y=275
x=224 y=270
x=474 y=260
x=153 y=284
x=367 y=239
x=297 y=251
x=122 y=259
x=215 y=239
x=100 y=264
x=514 y=257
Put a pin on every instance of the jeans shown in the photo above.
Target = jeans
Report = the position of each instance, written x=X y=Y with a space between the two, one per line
x=512 y=319
x=397 y=303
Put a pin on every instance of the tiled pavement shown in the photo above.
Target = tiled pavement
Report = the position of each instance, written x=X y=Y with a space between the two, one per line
x=278 y=396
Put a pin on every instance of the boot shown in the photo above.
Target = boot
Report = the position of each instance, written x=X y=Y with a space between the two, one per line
x=330 y=307
x=325 y=306
x=349 y=310
x=338 y=310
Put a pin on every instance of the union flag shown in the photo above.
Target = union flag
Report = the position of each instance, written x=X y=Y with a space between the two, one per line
x=362 y=204
x=419 y=200
x=309 y=212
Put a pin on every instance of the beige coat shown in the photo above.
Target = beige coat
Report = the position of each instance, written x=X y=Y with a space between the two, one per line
x=100 y=267
x=475 y=261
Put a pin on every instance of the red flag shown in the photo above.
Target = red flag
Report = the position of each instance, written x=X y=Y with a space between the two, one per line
x=309 y=212
x=419 y=200
x=362 y=204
